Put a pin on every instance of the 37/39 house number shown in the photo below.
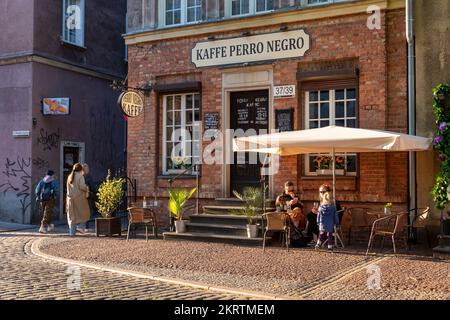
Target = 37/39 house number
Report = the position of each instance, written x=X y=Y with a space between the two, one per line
x=284 y=91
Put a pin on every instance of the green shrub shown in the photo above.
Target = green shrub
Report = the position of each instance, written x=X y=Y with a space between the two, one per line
x=109 y=195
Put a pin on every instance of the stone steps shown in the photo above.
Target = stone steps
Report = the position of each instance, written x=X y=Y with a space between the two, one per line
x=225 y=229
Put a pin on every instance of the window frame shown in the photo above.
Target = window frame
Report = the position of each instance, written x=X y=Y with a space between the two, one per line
x=332 y=121
x=83 y=21
x=251 y=10
x=166 y=171
x=183 y=16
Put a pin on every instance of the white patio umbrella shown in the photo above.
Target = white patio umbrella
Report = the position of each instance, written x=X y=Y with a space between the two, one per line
x=331 y=139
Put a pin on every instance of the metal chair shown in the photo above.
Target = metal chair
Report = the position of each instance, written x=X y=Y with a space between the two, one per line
x=420 y=220
x=142 y=217
x=359 y=220
x=277 y=221
x=337 y=232
x=387 y=226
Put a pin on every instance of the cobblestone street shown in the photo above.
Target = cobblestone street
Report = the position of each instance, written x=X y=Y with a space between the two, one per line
x=29 y=270
x=26 y=276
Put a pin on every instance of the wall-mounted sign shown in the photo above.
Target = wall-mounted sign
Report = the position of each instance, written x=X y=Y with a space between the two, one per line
x=21 y=134
x=55 y=106
x=211 y=124
x=284 y=120
x=284 y=91
x=271 y=46
x=131 y=103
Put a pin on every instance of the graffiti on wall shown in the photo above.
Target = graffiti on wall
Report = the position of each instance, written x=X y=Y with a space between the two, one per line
x=41 y=164
x=18 y=180
x=49 y=140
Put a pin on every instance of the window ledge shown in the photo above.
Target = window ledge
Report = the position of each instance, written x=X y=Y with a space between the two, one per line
x=172 y=176
x=322 y=177
x=73 y=45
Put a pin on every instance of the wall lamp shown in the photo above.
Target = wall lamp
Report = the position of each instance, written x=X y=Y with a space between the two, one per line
x=246 y=33
x=283 y=28
x=211 y=37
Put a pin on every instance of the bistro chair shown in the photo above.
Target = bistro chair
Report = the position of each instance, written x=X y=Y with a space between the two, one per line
x=145 y=217
x=277 y=221
x=337 y=232
x=360 y=220
x=387 y=226
x=420 y=220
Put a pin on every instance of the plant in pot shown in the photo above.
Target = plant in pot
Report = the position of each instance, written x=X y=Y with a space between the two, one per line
x=252 y=199
x=324 y=165
x=177 y=199
x=388 y=208
x=109 y=198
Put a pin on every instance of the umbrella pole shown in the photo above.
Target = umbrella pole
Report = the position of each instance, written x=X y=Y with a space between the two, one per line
x=334 y=176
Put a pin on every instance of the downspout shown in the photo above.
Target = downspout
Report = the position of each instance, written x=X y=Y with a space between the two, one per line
x=411 y=100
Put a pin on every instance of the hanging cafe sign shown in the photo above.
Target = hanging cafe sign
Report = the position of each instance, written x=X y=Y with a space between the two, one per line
x=278 y=45
x=131 y=103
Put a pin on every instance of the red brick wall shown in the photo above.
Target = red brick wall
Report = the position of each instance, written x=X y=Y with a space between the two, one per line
x=381 y=58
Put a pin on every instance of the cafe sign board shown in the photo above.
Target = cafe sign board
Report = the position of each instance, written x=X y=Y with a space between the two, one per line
x=131 y=103
x=270 y=46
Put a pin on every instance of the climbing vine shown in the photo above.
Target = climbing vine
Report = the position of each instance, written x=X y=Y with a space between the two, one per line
x=441 y=143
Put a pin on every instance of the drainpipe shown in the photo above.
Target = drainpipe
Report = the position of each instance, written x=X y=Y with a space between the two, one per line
x=411 y=100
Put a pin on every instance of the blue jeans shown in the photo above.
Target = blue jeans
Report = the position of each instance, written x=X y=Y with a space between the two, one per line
x=73 y=229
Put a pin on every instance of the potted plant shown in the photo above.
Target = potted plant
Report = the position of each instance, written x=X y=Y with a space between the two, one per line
x=177 y=199
x=387 y=208
x=252 y=199
x=324 y=165
x=109 y=198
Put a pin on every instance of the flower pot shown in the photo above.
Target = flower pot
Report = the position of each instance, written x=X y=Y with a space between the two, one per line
x=387 y=211
x=252 y=230
x=180 y=226
x=108 y=226
x=329 y=172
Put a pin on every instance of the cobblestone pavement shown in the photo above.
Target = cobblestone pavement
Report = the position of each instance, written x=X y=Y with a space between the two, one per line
x=26 y=276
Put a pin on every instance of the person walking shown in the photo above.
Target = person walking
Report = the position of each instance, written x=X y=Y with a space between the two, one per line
x=46 y=193
x=91 y=193
x=77 y=203
x=327 y=218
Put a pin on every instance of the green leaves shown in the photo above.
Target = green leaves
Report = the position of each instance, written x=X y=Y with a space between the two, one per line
x=110 y=194
x=252 y=199
x=177 y=199
x=442 y=143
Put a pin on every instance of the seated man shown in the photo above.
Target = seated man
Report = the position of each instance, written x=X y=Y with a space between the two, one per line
x=292 y=199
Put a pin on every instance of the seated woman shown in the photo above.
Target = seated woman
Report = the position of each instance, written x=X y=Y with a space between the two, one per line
x=292 y=199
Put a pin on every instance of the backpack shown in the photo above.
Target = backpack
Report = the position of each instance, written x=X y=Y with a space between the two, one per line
x=47 y=191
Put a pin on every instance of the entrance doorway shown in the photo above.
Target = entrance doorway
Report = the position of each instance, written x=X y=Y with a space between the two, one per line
x=249 y=113
x=71 y=153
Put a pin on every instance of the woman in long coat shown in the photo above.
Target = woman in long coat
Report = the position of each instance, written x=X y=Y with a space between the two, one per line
x=77 y=203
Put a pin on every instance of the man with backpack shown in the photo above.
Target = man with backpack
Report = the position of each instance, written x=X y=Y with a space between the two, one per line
x=46 y=193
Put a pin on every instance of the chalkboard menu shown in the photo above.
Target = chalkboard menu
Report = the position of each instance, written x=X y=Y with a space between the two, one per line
x=211 y=120
x=211 y=124
x=284 y=120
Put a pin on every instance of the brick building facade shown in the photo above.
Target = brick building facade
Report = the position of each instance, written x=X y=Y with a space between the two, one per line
x=348 y=66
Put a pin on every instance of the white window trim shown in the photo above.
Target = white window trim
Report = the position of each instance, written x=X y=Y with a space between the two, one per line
x=251 y=11
x=183 y=19
x=332 y=118
x=83 y=16
x=183 y=125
